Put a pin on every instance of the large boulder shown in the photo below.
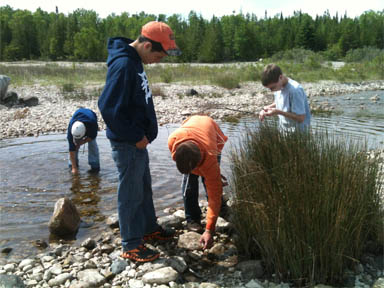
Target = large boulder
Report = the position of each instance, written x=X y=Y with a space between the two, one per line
x=65 y=220
x=29 y=101
x=4 y=82
x=10 y=99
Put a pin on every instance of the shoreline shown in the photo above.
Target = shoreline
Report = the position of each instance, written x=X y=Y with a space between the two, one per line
x=81 y=264
x=173 y=103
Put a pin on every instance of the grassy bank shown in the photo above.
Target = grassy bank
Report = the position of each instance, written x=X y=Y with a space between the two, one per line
x=301 y=65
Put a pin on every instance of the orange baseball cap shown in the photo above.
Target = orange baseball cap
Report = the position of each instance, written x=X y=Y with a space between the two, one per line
x=162 y=33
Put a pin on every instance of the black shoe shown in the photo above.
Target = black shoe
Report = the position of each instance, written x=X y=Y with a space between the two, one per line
x=160 y=234
x=140 y=254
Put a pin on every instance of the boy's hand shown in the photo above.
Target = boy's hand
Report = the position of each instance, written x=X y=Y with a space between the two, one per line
x=142 y=143
x=206 y=239
x=262 y=115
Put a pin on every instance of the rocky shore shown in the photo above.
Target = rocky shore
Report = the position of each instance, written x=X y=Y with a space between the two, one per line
x=182 y=264
x=173 y=103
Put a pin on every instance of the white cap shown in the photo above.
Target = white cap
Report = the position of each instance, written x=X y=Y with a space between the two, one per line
x=78 y=130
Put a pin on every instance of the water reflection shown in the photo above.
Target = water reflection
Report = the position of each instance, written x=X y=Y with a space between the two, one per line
x=85 y=195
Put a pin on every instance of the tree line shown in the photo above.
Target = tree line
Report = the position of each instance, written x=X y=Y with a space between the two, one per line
x=82 y=35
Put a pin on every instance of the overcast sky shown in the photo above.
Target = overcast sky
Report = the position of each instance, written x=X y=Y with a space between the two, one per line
x=211 y=7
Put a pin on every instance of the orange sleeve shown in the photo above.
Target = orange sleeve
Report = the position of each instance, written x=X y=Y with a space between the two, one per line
x=214 y=191
x=220 y=137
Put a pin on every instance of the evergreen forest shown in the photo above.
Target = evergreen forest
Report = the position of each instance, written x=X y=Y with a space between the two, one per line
x=82 y=35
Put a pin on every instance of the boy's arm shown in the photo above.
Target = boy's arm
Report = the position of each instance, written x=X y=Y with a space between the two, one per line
x=296 y=117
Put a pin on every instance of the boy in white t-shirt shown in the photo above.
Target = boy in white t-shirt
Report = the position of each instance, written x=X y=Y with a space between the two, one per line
x=290 y=103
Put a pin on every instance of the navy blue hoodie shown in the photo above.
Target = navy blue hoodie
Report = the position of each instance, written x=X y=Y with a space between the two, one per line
x=126 y=101
x=89 y=118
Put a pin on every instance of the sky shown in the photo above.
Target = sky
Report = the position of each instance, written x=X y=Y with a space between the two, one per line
x=205 y=8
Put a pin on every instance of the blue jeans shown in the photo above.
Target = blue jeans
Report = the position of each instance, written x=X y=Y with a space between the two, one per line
x=190 y=190
x=93 y=156
x=136 y=211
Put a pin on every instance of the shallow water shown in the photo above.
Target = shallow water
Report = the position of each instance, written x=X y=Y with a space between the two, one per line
x=34 y=172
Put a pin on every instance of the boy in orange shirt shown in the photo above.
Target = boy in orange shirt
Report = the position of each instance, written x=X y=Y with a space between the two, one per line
x=196 y=147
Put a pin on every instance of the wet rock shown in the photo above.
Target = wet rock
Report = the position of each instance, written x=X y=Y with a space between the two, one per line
x=6 y=250
x=113 y=221
x=65 y=219
x=40 y=244
x=11 y=281
x=89 y=244
x=375 y=98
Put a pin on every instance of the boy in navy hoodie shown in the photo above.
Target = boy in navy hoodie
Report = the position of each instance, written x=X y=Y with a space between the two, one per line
x=127 y=108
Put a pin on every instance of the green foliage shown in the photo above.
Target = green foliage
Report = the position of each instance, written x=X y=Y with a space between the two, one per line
x=307 y=203
x=226 y=80
x=363 y=54
x=295 y=55
x=67 y=87
x=167 y=75
x=82 y=35
x=333 y=53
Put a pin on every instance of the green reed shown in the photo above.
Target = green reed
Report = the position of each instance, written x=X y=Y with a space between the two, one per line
x=305 y=202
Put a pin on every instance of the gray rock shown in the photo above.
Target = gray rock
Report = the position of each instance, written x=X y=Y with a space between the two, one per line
x=379 y=283
x=59 y=279
x=11 y=281
x=191 y=92
x=65 y=220
x=113 y=221
x=250 y=269
x=10 y=99
x=178 y=263
x=189 y=241
x=160 y=276
x=4 y=82
x=89 y=244
x=118 y=266
x=29 y=101
x=91 y=276
x=169 y=221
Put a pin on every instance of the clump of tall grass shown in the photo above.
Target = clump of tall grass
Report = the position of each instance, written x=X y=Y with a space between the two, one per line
x=305 y=202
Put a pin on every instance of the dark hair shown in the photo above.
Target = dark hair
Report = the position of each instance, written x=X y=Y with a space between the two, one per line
x=156 y=46
x=187 y=157
x=270 y=74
